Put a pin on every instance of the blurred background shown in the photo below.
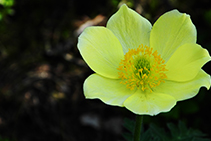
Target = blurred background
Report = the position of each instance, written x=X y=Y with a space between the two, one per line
x=42 y=72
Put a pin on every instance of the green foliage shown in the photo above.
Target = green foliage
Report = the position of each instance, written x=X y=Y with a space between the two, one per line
x=4 y=139
x=7 y=8
x=178 y=132
x=130 y=126
x=115 y=2
x=7 y=3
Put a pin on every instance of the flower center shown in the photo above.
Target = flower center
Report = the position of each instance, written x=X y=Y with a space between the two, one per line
x=142 y=68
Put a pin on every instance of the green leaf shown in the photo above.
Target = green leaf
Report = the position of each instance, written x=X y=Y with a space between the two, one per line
x=127 y=136
x=174 y=130
x=158 y=133
x=200 y=139
x=196 y=132
x=182 y=133
x=146 y=136
x=129 y=125
x=182 y=127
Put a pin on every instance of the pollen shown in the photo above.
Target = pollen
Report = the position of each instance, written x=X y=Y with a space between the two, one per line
x=142 y=68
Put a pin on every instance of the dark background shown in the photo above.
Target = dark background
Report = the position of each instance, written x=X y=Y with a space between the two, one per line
x=42 y=72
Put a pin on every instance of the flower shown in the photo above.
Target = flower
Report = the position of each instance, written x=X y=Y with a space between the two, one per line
x=144 y=68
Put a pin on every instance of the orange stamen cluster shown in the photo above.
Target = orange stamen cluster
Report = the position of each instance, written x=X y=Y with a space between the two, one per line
x=142 y=68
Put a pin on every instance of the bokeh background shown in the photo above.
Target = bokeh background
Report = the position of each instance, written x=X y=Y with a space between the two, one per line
x=42 y=72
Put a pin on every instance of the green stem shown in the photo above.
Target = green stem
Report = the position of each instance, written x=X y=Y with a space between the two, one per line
x=137 y=133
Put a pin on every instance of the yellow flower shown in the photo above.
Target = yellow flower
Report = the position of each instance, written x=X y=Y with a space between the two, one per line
x=144 y=68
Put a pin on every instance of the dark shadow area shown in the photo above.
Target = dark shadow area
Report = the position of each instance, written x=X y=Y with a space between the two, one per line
x=42 y=71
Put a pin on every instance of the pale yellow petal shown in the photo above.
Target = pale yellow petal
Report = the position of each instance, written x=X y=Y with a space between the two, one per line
x=186 y=62
x=149 y=103
x=170 y=31
x=110 y=91
x=130 y=28
x=101 y=50
x=185 y=90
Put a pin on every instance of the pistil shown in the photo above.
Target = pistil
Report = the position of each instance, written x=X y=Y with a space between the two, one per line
x=142 y=68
